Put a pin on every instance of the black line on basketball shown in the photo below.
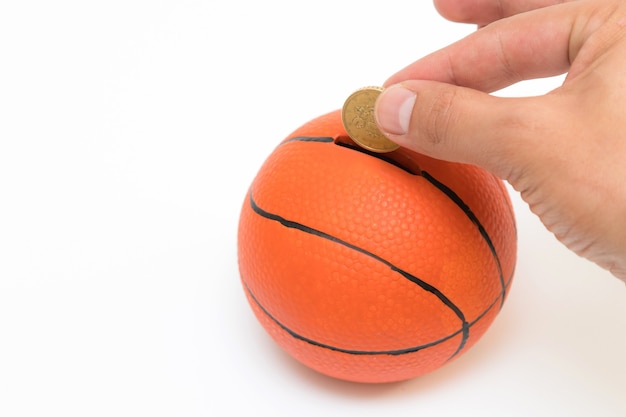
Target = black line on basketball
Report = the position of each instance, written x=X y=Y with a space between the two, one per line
x=412 y=169
x=468 y=212
x=394 y=352
x=422 y=284
x=510 y=278
x=397 y=159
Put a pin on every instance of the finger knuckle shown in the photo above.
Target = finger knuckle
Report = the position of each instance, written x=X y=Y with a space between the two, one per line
x=439 y=117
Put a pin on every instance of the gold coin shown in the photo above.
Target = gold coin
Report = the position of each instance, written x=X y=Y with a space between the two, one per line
x=357 y=116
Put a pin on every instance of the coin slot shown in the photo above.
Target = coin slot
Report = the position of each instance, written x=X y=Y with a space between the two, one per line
x=399 y=158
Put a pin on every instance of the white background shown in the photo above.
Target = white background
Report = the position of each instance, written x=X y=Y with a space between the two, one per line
x=129 y=133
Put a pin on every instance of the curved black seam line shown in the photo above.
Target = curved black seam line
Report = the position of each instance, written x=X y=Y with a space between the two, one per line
x=380 y=156
x=327 y=139
x=468 y=212
x=422 y=284
x=510 y=278
x=395 y=352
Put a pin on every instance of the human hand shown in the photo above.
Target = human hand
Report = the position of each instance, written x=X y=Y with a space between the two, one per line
x=565 y=152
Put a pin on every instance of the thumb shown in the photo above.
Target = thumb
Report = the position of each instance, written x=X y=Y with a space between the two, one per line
x=459 y=124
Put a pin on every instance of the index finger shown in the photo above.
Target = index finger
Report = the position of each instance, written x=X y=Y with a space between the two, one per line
x=530 y=45
x=483 y=12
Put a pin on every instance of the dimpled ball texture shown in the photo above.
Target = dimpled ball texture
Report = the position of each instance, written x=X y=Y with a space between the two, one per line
x=373 y=267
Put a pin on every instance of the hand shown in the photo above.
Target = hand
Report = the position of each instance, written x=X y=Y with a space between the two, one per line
x=565 y=152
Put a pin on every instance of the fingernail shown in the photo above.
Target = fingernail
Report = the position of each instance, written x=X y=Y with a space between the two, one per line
x=393 y=110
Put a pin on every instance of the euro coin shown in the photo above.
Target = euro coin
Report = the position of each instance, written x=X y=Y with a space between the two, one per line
x=357 y=116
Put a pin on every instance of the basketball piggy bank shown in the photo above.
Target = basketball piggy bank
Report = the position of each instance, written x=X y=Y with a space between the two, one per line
x=373 y=267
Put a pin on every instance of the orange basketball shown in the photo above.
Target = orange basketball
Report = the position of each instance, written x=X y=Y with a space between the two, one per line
x=373 y=267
